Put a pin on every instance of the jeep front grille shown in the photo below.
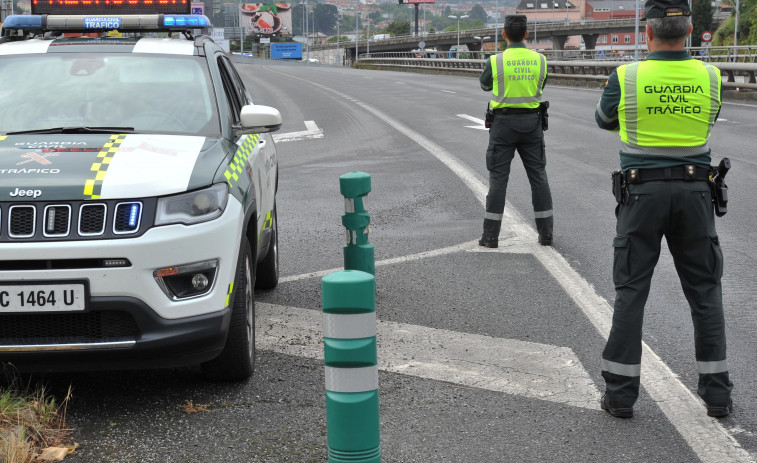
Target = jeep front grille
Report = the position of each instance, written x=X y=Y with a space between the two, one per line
x=75 y=220
x=67 y=328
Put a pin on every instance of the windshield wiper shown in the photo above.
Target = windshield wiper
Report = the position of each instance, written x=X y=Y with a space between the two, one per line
x=76 y=130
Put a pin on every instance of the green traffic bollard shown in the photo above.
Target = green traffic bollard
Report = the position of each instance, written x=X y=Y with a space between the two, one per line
x=349 y=348
x=358 y=252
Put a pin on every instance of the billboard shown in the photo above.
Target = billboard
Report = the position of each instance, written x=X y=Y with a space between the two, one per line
x=287 y=50
x=266 y=18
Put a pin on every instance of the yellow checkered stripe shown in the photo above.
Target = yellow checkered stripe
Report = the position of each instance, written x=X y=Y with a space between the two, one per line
x=228 y=293
x=268 y=223
x=236 y=166
x=93 y=186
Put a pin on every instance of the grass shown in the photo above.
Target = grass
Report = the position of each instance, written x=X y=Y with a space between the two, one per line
x=30 y=420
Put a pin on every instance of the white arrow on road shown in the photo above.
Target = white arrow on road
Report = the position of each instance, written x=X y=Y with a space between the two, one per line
x=312 y=132
x=529 y=369
x=478 y=121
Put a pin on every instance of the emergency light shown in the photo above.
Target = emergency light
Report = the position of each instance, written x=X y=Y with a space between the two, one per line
x=110 y=7
x=106 y=15
x=94 y=23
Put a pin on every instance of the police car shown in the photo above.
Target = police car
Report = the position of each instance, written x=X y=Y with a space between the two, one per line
x=137 y=192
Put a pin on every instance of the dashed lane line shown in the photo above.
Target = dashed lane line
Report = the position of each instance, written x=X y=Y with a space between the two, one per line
x=705 y=435
x=529 y=369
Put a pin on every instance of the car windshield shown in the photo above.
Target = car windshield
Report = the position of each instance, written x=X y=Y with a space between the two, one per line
x=144 y=92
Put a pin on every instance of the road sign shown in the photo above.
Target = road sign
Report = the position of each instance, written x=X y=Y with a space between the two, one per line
x=706 y=36
x=421 y=44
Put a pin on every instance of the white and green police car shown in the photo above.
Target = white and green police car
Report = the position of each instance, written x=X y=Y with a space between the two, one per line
x=137 y=193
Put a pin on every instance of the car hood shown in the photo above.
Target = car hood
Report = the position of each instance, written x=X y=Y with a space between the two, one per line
x=90 y=166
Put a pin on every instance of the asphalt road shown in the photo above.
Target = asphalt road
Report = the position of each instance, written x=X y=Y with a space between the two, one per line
x=484 y=355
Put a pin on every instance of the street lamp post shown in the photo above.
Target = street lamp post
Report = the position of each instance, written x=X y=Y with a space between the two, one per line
x=338 y=18
x=496 y=24
x=307 y=39
x=357 y=33
x=457 y=50
x=736 y=32
x=482 y=42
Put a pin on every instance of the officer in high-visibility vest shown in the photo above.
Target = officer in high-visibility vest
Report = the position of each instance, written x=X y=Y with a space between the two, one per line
x=664 y=108
x=516 y=78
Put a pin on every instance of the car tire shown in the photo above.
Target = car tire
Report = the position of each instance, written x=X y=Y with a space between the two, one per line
x=268 y=268
x=237 y=360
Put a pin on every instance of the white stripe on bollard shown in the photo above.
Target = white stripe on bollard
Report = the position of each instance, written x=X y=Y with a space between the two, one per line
x=361 y=379
x=349 y=326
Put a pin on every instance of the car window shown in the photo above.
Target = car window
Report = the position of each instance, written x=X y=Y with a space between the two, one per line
x=235 y=90
x=151 y=93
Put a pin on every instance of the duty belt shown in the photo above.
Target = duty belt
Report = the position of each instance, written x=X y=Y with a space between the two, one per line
x=686 y=172
x=516 y=110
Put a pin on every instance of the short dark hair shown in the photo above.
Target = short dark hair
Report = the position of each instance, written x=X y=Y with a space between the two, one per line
x=515 y=32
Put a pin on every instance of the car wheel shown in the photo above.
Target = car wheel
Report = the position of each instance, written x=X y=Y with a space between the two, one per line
x=237 y=360
x=268 y=268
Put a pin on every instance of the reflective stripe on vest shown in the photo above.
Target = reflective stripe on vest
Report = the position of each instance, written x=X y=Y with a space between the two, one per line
x=517 y=78
x=667 y=119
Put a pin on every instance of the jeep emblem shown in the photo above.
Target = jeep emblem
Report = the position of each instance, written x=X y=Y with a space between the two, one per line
x=29 y=193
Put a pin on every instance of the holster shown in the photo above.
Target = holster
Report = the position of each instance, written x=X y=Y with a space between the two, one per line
x=619 y=187
x=718 y=188
x=719 y=193
x=543 y=106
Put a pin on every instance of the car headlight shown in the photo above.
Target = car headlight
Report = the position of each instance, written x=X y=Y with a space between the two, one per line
x=194 y=207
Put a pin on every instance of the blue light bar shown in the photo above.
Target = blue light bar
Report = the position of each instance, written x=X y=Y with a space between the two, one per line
x=90 y=23
x=182 y=21
x=23 y=22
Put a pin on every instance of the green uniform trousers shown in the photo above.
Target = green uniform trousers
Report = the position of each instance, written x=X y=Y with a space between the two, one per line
x=681 y=211
x=524 y=133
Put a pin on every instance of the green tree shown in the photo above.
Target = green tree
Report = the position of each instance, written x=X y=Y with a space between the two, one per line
x=398 y=28
x=747 y=24
x=325 y=17
x=478 y=13
x=701 y=18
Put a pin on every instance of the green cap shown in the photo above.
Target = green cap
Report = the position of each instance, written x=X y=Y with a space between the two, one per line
x=666 y=8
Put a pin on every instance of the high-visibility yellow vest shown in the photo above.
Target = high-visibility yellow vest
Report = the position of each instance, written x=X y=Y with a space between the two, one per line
x=517 y=78
x=667 y=107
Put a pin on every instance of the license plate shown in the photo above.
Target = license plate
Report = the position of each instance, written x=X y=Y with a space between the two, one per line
x=37 y=297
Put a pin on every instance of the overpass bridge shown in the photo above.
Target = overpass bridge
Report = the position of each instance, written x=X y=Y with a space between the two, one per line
x=557 y=31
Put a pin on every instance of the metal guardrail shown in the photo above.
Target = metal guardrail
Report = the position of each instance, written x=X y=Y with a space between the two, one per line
x=735 y=75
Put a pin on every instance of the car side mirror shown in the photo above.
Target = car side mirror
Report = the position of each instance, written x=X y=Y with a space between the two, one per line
x=259 y=119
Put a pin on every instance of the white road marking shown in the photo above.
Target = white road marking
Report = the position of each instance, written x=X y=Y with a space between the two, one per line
x=397 y=260
x=478 y=121
x=706 y=436
x=449 y=91
x=471 y=118
x=312 y=132
x=523 y=368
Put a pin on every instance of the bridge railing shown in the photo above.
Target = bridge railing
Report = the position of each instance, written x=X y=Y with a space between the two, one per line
x=740 y=54
x=735 y=75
